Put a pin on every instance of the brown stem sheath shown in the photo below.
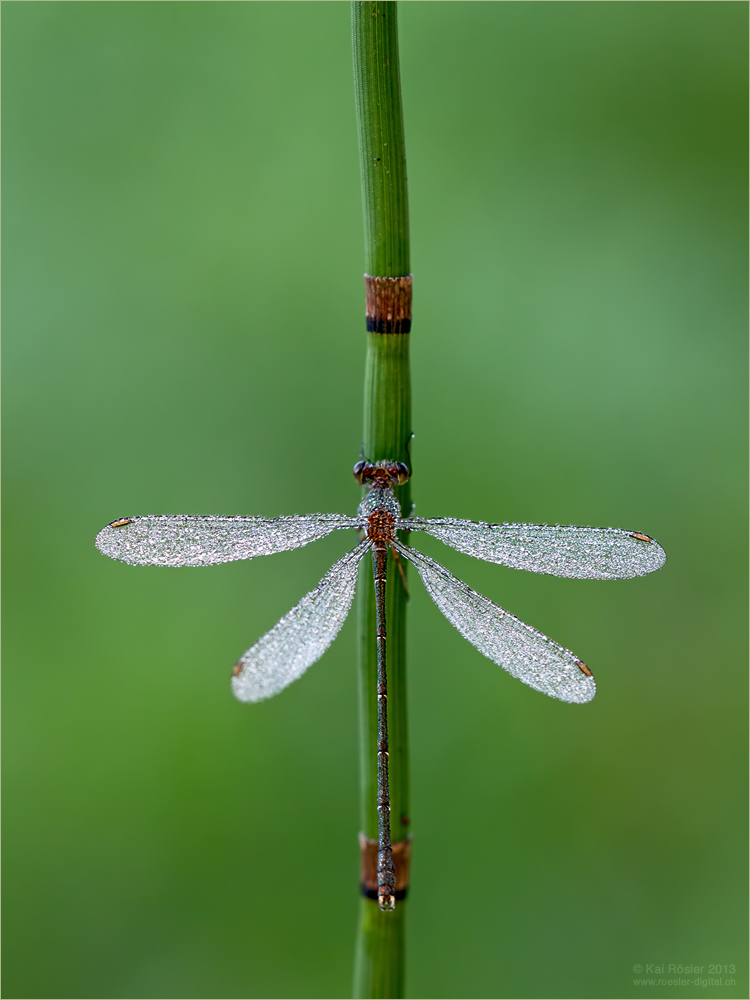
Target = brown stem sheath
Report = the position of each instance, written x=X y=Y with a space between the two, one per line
x=388 y=304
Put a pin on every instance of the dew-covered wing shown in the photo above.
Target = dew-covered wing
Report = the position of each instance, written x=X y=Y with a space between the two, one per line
x=580 y=553
x=516 y=647
x=301 y=636
x=195 y=540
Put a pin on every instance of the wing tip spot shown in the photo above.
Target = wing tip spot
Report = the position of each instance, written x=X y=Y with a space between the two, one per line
x=583 y=668
x=237 y=668
x=120 y=522
x=641 y=537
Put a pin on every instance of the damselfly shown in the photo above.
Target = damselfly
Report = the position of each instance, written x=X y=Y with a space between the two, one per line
x=303 y=635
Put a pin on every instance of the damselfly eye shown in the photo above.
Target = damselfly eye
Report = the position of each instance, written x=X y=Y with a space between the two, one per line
x=358 y=471
x=402 y=473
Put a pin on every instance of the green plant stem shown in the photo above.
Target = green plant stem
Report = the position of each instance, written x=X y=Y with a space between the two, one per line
x=380 y=954
x=386 y=378
x=379 y=969
x=382 y=154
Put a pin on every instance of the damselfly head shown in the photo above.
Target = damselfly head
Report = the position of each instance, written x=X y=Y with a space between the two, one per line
x=381 y=475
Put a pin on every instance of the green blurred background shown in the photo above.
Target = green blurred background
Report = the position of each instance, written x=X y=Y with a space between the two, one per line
x=184 y=333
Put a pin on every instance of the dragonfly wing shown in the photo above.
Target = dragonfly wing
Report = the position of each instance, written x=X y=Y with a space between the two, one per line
x=193 y=540
x=516 y=647
x=301 y=636
x=580 y=553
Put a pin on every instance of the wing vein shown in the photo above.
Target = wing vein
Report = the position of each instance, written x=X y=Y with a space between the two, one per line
x=194 y=540
x=559 y=550
x=521 y=650
x=302 y=636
